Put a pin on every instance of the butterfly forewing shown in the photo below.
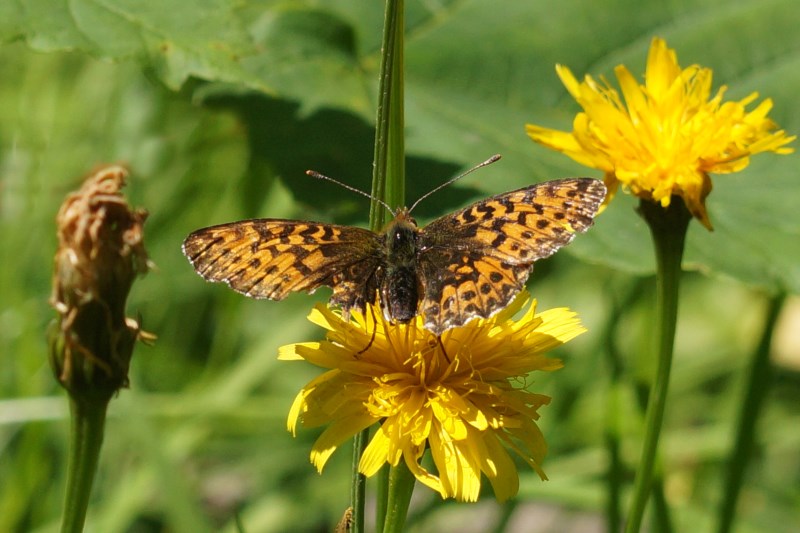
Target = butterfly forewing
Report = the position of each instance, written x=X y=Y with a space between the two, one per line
x=472 y=262
x=269 y=258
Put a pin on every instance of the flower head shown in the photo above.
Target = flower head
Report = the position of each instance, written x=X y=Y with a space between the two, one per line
x=668 y=136
x=462 y=395
x=100 y=253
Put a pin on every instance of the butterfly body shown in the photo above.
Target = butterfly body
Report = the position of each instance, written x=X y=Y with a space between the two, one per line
x=463 y=265
x=400 y=287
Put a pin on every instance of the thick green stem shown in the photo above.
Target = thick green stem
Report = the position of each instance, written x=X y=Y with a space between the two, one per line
x=662 y=522
x=401 y=486
x=381 y=498
x=388 y=185
x=86 y=438
x=668 y=228
x=388 y=177
x=760 y=373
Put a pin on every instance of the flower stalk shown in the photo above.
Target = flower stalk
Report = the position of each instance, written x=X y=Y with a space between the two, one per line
x=401 y=486
x=100 y=254
x=388 y=184
x=388 y=177
x=85 y=441
x=668 y=228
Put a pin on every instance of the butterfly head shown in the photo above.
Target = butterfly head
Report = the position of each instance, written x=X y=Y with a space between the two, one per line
x=403 y=216
x=401 y=238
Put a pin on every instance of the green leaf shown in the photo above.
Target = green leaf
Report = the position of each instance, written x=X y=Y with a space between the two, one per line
x=202 y=38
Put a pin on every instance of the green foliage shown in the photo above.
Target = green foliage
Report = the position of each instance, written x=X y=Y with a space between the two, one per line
x=219 y=107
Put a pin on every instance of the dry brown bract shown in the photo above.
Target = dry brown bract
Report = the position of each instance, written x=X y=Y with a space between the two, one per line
x=100 y=253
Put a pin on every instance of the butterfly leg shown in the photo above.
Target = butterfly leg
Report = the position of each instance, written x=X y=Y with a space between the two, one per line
x=374 y=330
x=441 y=345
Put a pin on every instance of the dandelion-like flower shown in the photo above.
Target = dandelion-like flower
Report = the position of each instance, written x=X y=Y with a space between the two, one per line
x=463 y=395
x=668 y=136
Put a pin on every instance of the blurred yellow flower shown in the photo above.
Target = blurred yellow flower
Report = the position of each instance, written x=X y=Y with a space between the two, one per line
x=463 y=396
x=667 y=136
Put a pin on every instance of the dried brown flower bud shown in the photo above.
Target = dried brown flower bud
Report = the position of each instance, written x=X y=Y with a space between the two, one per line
x=345 y=525
x=100 y=253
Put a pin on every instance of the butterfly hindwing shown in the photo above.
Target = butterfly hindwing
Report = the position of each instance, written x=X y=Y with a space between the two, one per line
x=459 y=286
x=472 y=262
x=269 y=258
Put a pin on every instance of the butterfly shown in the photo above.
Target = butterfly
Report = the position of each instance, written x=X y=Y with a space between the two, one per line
x=464 y=265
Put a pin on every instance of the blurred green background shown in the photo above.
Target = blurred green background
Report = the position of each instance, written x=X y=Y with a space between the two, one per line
x=219 y=107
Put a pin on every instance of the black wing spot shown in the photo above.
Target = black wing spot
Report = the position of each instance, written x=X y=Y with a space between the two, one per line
x=448 y=303
x=500 y=239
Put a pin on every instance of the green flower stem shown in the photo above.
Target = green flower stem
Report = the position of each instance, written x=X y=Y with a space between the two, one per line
x=662 y=522
x=668 y=228
x=358 y=482
x=401 y=486
x=86 y=438
x=388 y=177
x=381 y=498
x=388 y=184
x=760 y=373
x=396 y=148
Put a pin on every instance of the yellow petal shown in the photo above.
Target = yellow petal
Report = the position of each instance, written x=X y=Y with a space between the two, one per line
x=339 y=431
x=499 y=468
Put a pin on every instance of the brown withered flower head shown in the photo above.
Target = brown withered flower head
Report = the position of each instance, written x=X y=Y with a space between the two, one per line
x=100 y=253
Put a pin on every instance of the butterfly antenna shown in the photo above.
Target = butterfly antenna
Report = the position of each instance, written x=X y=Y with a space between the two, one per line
x=451 y=180
x=315 y=174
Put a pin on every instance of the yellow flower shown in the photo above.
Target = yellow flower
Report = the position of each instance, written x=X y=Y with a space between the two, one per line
x=667 y=136
x=463 y=396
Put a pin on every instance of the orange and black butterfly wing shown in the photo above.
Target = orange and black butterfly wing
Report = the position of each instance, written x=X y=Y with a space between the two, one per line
x=460 y=285
x=474 y=261
x=270 y=258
